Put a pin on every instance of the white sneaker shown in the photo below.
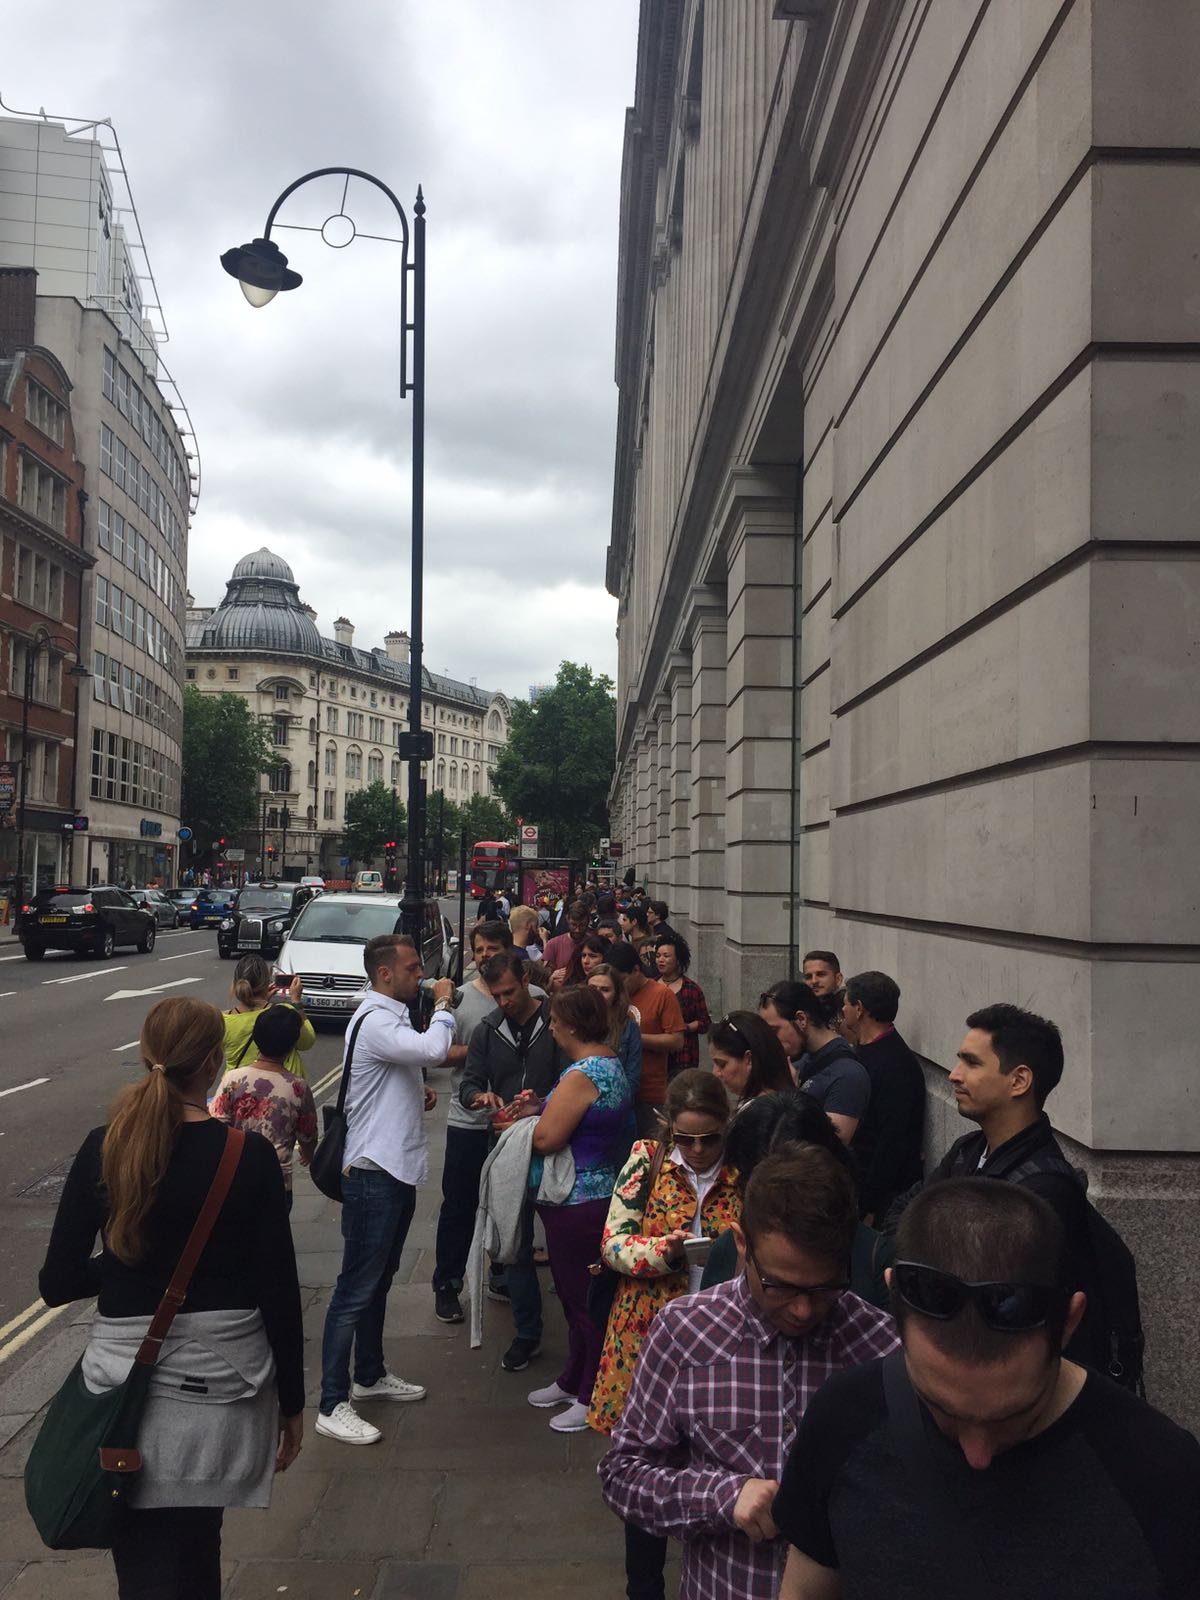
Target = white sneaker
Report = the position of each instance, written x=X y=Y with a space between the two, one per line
x=572 y=1420
x=552 y=1395
x=344 y=1423
x=389 y=1387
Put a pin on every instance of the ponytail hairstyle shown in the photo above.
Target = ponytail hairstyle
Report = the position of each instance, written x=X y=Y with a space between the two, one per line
x=180 y=1037
x=252 y=982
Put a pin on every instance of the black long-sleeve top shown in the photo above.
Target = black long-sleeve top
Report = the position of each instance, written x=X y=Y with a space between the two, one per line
x=249 y=1261
x=890 y=1136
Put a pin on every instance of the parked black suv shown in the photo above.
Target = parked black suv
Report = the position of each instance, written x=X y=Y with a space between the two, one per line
x=259 y=917
x=92 y=921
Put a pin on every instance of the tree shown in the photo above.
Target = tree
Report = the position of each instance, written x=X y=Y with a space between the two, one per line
x=485 y=818
x=373 y=816
x=225 y=748
x=558 y=765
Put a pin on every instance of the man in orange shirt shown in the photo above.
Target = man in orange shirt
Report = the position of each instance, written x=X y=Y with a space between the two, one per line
x=661 y=1021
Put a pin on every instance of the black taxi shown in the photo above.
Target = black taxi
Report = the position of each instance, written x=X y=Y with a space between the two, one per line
x=259 y=917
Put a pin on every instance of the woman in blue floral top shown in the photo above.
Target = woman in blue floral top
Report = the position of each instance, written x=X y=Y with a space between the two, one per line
x=587 y=1109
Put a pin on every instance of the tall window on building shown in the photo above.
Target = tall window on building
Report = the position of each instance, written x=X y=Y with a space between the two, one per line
x=42 y=493
x=45 y=412
x=375 y=767
x=331 y=761
x=279 y=779
x=331 y=719
x=281 y=729
x=329 y=806
x=354 y=764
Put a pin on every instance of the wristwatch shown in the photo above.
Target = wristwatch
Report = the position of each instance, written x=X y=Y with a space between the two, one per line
x=442 y=1005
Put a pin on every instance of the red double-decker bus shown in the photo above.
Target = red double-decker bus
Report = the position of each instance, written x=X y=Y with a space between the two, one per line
x=493 y=862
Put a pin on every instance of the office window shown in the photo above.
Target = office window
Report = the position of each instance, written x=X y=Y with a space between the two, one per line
x=331 y=719
x=120 y=456
x=281 y=729
x=99 y=676
x=329 y=805
x=231 y=673
x=102 y=602
x=124 y=384
x=375 y=767
x=395 y=773
x=129 y=605
x=279 y=779
x=42 y=493
x=45 y=412
x=354 y=766
x=114 y=681
x=331 y=761
x=109 y=379
x=103 y=515
x=282 y=692
x=106 y=452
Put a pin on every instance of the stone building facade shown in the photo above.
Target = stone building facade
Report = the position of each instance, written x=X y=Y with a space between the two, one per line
x=904 y=538
x=335 y=711
x=42 y=567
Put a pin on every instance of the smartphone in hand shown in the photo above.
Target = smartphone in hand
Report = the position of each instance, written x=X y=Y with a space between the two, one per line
x=696 y=1251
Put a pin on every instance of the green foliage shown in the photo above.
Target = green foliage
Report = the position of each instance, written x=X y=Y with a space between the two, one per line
x=225 y=749
x=485 y=818
x=373 y=816
x=558 y=764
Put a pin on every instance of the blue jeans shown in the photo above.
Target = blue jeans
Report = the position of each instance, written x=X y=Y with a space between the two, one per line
x=376 y=1212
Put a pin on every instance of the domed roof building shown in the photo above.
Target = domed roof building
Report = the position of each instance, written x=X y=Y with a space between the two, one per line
x=334 y=710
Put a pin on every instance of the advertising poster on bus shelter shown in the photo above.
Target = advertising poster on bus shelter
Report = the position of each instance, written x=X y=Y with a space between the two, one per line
x=544 y=885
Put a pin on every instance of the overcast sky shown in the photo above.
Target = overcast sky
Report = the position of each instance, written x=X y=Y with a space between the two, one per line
x=511 y=117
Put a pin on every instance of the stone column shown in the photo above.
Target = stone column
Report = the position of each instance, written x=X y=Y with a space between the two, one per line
x=643 y=820
x=757 y=515
x=679 y=679
x=662 y=819
x=706 y=813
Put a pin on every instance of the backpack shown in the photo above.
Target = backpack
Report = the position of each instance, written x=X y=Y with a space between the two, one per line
x=1118 y=1342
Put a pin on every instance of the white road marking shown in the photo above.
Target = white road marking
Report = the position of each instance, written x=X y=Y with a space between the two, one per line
x=17 y=1087
x=183 y=955
x=82 y=977
x=21 y=957
x=135 y=994
x=132 y=1045
x=8 y=994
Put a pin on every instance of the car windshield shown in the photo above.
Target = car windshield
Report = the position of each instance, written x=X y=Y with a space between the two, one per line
x=327 y=921
x=265 y=900
x=217 y=897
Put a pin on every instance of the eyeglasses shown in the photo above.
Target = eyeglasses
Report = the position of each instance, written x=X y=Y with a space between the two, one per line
x=823 y=1292
x=1006 y=1307
x=703 y=1141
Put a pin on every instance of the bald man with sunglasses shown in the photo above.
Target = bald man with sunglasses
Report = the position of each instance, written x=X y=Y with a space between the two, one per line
x=980 y=1462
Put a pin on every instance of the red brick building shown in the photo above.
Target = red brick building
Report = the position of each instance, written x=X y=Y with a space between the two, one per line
x=42 y=562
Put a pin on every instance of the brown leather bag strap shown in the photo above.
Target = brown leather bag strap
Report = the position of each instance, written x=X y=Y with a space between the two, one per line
x=201 y=1229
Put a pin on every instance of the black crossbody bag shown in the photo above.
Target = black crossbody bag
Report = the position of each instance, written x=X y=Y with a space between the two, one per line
x=329 y=1156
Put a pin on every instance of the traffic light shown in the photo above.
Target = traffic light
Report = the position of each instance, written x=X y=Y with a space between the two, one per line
x=221 y=842
x=270 y=849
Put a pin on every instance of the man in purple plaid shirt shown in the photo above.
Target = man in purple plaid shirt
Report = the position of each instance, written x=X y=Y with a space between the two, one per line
x=724 y=1378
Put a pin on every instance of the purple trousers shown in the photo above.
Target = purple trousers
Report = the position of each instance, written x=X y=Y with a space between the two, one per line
x=573 y=1235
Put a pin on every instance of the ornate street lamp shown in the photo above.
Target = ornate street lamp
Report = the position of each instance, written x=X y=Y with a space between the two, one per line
x=262 y=270
x=43 y=639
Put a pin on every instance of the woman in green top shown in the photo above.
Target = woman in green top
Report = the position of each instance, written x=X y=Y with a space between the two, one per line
x=761 y=1127
x=253 y=992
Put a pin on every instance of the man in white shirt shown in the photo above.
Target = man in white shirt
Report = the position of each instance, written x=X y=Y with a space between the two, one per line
x=386 y=1157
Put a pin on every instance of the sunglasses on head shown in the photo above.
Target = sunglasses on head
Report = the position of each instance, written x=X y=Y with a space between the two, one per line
x=732 y=1027
x=1005 y=1307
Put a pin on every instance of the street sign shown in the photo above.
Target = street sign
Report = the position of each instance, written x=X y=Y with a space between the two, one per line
x=80 y=824
x=235 y=855
x=604 y=844
x=529 y=850
x=529 y=833
x=344 y=861
x=184 y=833
x=614 y=849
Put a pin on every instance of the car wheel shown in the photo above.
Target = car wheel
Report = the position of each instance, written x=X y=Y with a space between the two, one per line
x=225 y=955
x=105 y=945
x=34 y=952
x=146 y=942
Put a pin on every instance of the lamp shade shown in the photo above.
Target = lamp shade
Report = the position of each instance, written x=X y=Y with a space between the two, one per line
x=262 y=270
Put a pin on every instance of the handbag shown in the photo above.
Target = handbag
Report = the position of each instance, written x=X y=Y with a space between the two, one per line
x=602 y=1290
x=85 y=1463
x=328 y=1158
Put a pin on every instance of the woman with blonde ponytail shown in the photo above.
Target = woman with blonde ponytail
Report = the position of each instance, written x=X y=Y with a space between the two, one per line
x=227 y=1393
x=253 y=991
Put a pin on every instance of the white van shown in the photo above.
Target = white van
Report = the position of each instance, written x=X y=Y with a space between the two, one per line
x=368 y=883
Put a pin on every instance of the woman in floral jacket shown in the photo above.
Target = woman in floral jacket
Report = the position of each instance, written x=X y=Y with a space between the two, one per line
x=694 y=1195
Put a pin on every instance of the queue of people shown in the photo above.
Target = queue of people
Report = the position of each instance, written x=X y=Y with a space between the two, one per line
x=823 y=1371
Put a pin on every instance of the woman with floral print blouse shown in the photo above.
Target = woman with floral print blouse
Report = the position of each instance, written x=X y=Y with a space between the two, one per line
x=693 y=1195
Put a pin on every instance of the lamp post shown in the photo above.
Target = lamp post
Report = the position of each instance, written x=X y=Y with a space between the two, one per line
x=262 y=270
x=43 y=639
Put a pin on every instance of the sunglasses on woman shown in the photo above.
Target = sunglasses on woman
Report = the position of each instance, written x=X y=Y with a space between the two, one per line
x=698 y=1141
x=1004 y=1306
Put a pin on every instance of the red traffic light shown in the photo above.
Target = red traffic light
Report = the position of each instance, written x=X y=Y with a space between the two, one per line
x=221 y=842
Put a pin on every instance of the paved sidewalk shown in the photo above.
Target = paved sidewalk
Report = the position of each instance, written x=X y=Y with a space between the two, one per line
x=469 y=1496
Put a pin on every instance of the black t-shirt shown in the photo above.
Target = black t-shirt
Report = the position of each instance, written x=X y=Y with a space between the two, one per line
x=1101 y=1506
x=248 y=1262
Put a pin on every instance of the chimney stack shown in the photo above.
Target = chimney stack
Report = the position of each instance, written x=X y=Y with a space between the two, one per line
x=396 y=645
x=18 y=304
x=343 y=631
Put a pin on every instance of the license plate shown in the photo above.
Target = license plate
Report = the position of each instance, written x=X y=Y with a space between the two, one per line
x=318 y=1002
x=247 y=944
x=52 y=919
